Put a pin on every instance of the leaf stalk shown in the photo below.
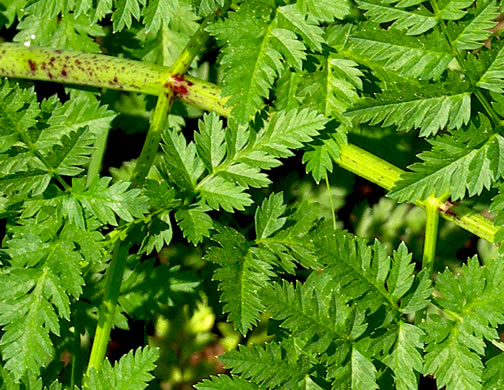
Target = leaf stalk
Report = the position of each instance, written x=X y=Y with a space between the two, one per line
x=431 y=232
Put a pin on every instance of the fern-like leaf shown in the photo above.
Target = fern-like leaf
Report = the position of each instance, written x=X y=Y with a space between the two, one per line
x=405 y=359
x=268 y=216
x=367 y=273
x=29 y=157
x=83 y=109
x=132 y=371
x=493 y=78
x=195 y=223
x=180 y=163
x=125 y=12
x=289 y=130
x=414 y=22
x=67 y=159
x=220 y=193
x=293 y=243
x=157 y=13
x=290 y=18
x=252 y=64
x=210 y=141
x=269 y=365
x=319 y=159
x=257 y=49
x=242 y=274
x=325 y=10
x=105 y=201
x=333 y=88
x=71 y=32
x=285 y=131
x=44 y=272
x=454 y=347
x=224 y=382
x=457 y=163
x=363 y=372
x=307 y=311
x=426 y=57
x=206 y=7
x=493 y=377
x=478 y=30
x=410 y=105
x=453 y=9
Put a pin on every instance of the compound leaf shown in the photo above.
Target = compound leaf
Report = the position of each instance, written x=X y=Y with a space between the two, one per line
x=132 y=371
x=465 y=161
x=195 y=223
x=411 y=106
x=105 y=201
x=268 y=216
x=478 y=30
x=415 y=22
x=405 y=360
x=242 y=273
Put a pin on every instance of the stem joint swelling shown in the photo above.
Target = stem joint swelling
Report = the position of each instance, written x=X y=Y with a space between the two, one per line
x=179 y=86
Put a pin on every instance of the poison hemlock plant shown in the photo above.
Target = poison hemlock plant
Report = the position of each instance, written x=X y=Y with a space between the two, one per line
x=213 y=236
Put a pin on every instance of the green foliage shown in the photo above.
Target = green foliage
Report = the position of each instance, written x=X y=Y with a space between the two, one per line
x=44 y=274
x=412 y=105
x=220 y=169
x=465 y=160
x=474 y=34
x=493 y=78
x=254 y=64
x=455 y=343
x=325 y=10
x=325 y=318
x=415 y=22
x=242 y=274
x=131 y=372
x=425 y=57
x=222 y=247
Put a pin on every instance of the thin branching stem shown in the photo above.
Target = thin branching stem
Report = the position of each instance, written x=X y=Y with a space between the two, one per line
x=95 y=166
x=207 y=96
x=333 y=210
x=113 y=279
x=431 y=232
x=115 y=271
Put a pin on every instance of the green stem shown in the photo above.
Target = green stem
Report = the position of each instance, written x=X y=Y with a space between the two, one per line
x=115 y=271
x=367 y=165
x=362 y=163
x=101 y=71
x=113 y=279
x=207 y=96
x=95 y=165
x=204 y=95
x=152 y=140
x=431 y=232
x=333 y=211
x=76 y=358
x=177 y=84
x=193 y=47
x=64 y=66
